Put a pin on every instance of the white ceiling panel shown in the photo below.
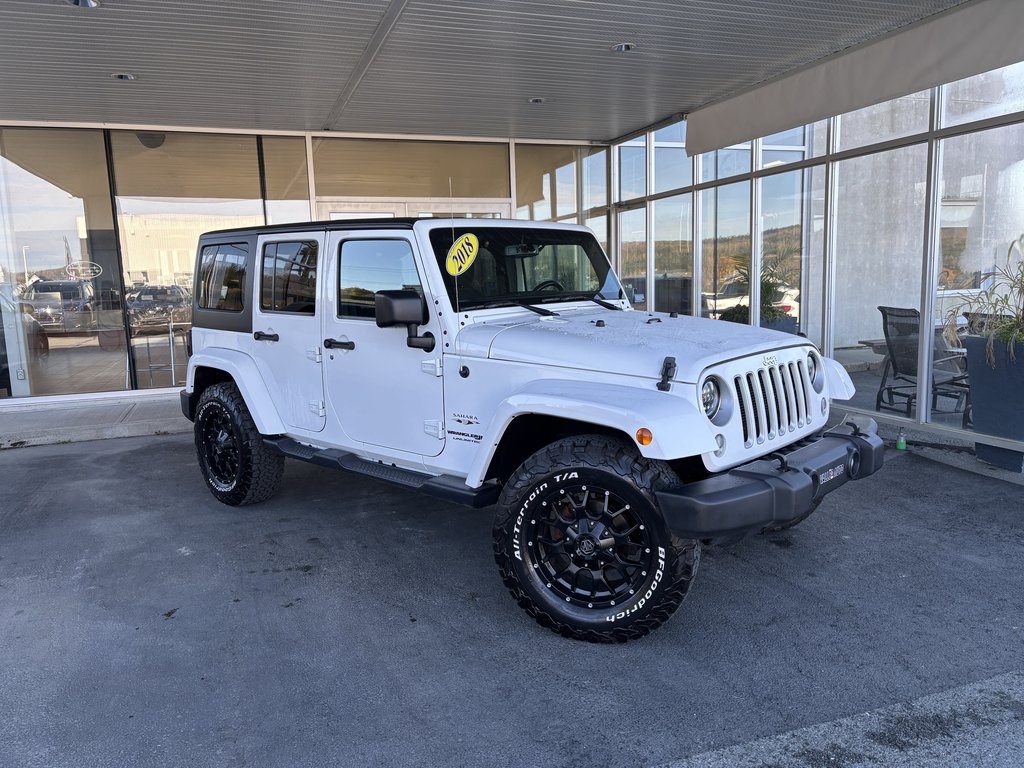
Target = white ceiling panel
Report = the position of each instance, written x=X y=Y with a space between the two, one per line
x=443 y=67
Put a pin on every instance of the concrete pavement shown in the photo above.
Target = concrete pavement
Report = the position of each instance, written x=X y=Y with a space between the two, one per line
x=348 y=623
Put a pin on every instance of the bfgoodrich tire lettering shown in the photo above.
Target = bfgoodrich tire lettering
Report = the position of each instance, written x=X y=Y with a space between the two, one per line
x=582 y=546
x=237 y=466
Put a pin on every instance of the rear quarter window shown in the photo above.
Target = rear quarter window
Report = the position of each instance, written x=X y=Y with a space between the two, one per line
x=221 y=280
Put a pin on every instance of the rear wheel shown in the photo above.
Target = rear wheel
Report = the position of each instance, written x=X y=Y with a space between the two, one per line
x=582 y=546
x=238 y=468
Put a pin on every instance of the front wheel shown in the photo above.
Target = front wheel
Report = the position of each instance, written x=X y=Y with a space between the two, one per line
x=238 y=468
x=582 y=546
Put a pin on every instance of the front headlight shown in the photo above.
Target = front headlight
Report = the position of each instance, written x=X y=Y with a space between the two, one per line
x=812 y=372
x=710 y=398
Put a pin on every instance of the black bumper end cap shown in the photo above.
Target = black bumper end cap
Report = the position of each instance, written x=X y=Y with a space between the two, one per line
x=187 y=408
x=772 y=490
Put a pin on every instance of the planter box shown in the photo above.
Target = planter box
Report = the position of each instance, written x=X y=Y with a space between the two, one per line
x=784 y=324
x=996 y=400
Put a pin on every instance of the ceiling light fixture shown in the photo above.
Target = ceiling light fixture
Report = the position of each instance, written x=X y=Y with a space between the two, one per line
x=536 y=100
x=624 y=47
x=83 y=3
x=123 y=76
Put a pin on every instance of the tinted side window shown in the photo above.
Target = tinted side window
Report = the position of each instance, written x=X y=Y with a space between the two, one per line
x=222 y=276
x=289 y=277
x=368 y=266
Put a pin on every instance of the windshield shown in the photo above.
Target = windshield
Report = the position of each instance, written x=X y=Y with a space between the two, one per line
x=514 y=265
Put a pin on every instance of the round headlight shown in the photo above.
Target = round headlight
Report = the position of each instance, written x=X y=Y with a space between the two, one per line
x=812 y=367
x=710 y=398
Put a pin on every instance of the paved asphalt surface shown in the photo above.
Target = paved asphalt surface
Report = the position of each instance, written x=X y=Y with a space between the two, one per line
x=345 y=623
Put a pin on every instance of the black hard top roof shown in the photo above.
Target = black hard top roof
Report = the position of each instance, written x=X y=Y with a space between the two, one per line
x=319 y=226
x=345 y=224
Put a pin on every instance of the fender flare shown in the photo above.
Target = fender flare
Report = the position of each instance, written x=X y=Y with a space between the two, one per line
x=679 y=429
x=246 y=376
x=840 y=385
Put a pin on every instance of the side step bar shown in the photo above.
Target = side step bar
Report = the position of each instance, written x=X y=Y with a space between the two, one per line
x=444 y=487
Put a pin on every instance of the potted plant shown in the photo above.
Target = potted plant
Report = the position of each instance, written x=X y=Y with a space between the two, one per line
x=995 y=356
x=772 y=286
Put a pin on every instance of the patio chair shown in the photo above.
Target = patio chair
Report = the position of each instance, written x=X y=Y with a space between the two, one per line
x=898 y=388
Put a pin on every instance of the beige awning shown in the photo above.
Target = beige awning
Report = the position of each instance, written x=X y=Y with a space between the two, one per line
x=971 y=39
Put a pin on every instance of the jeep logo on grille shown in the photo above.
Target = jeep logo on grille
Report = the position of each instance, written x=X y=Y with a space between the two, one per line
x=769 y=361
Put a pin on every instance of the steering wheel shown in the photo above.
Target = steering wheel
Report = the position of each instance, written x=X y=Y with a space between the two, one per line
x=548 y=284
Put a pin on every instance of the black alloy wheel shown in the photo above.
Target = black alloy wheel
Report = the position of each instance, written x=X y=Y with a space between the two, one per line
x=589 y=546
x=220 y=445
x=236 y=464
x=582 y=546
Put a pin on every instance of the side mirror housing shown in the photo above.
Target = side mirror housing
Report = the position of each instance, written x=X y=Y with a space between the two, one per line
x=399 y=308
x=404 y=308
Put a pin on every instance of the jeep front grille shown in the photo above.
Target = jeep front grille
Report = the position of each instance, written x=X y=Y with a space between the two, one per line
x=772 y=401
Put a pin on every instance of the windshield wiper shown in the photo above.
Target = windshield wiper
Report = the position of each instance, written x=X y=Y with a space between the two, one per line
x=517 y=302
x=589 y=297
x=605 y=304
x=532 y=308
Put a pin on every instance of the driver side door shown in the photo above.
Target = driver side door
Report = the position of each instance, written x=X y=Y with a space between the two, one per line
x=381 y=392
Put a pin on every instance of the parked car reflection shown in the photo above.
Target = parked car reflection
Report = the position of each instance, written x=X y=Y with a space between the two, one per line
x=62 y=306
x=153 y=308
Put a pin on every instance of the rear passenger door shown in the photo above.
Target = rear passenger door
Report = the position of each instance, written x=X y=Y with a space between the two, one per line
x=286 y=327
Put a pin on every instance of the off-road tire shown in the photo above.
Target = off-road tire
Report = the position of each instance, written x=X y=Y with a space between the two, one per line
x=238 y=468
x=583 y=472
x=791 y=523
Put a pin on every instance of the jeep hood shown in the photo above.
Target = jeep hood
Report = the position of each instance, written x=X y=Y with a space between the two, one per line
x=631 y=343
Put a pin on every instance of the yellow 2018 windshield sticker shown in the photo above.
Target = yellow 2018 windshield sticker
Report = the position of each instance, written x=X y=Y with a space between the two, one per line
x=461 y=254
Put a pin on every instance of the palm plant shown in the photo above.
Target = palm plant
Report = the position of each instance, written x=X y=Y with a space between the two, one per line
x=997 y=311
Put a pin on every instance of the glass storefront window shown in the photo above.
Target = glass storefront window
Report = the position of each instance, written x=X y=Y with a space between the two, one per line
x=545 y=181
x=982 y=212
x=61 y=295
x=172 y=187
x=792 y=250
x=286 y=179
x=893 y=119
x=409 y=169
x=879 y=236
x=633 y=169
x=723 y=163
x=633 y=255
x=599 y=226
x=672 y=232
x=672 y=168
x=595 y=178
x=725 y=245
x=794 y=145
x=998 y=92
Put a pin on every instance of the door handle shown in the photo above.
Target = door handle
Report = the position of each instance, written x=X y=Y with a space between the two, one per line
x=335 y=344
x=261 y=336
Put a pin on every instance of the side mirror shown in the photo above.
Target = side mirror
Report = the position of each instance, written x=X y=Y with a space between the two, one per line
x=399 y=308
x=404 y=308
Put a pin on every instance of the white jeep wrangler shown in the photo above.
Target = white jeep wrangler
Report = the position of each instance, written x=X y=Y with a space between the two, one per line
x=499 y=362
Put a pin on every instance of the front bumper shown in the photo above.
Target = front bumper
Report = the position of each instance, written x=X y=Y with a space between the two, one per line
x=775 y=489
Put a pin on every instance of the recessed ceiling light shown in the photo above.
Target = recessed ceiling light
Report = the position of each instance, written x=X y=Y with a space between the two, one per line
x=83 y=3
x=536 y=100
x=624 y=47
x=123 y=76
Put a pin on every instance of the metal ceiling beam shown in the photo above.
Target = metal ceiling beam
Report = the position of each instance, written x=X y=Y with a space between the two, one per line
x=362 y=66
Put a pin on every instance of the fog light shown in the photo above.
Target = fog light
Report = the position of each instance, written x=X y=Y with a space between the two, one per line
x=720 y=442
x=644 y=436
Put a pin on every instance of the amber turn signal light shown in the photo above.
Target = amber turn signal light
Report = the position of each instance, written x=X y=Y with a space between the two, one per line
x=644 y=436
